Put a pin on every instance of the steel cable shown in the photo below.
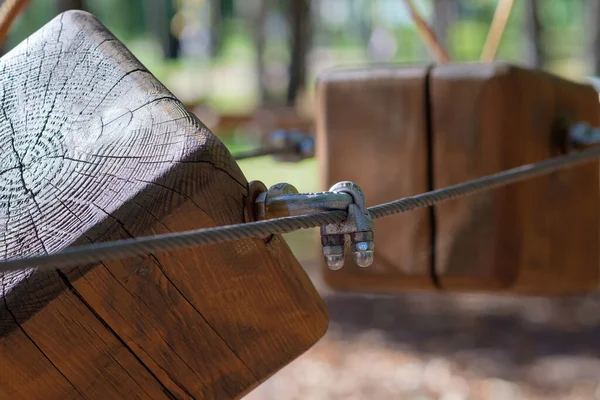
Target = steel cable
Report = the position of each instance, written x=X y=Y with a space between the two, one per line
x=101 y=252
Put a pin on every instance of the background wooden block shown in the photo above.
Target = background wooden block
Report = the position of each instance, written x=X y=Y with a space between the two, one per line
x=535 y=237
x=95 y=149
x=371 y=129
x=399 y=131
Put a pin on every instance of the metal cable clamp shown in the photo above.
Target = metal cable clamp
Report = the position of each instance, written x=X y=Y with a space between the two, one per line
x=582 y=136
x=358 y=227
x=283 y=200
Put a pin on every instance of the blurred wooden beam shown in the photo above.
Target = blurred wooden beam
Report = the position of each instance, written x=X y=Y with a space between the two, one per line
x=507 y=240
x=265 y=119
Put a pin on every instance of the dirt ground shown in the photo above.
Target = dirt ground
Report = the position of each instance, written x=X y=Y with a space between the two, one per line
x=447 y=347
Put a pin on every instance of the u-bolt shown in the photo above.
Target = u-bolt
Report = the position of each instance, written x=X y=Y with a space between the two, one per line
x=358 y=226
x=283 y=200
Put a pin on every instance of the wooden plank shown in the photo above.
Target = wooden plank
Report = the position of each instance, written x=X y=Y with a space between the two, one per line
x=536 y=237
x=371 y=129
x=99 y=150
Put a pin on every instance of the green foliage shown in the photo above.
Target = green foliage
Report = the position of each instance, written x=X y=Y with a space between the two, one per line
x=125 y=19
x=345 y=41
x=466 y=39
x=410 y=48
x=562 y=13
x=38 y=13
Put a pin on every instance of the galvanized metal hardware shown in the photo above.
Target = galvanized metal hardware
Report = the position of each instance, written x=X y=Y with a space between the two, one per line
x=291 y=146
x=283 y=200
x=358 y=226
x=582 y=136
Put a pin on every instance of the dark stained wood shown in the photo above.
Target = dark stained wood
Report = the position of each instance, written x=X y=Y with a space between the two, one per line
x=371 y=129
x=95 y=149
x=536 y=237
x=87 y=354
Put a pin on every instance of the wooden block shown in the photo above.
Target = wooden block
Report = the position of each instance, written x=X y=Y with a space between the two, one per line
x=399 y=131
x=95 y=149
x=535 y=237
x=371 y=129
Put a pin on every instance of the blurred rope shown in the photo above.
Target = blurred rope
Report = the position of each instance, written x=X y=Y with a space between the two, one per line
x=9 y=11
x=101 y=252
x=497 y=28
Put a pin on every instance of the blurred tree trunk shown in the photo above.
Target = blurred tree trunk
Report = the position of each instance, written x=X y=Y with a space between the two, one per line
x=365 y=19
x=216 y=27
x=534 y=52
x=159 y=14
x=64 y=5
x=301 y=35
x=359 y=16
x=445 y=14
x=593 y=11
x=260 y=19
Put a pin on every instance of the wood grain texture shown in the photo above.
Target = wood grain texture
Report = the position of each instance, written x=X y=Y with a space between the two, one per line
x=371 y=129
x=535 y=237
x=95 y=149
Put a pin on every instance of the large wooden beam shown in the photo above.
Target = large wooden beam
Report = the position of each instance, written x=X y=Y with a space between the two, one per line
x=94 y=149
x=399 y=131
x=539 y=236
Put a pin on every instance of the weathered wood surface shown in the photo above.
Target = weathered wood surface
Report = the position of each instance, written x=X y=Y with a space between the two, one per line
x=94 y=149
x=537 y=237
x=371 y=129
